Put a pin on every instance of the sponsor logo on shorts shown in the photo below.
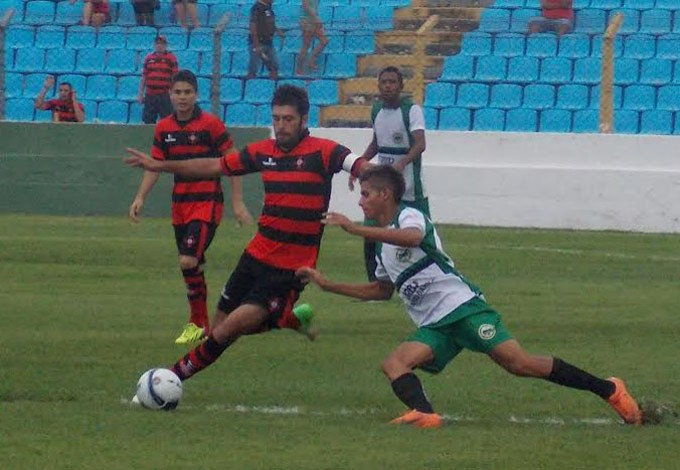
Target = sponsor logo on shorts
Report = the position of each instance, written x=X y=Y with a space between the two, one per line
x=486 y=331
x=190 y=241
x=274 y=305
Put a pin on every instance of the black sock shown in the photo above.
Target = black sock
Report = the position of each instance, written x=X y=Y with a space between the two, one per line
x=565 y=374
x=410 y=391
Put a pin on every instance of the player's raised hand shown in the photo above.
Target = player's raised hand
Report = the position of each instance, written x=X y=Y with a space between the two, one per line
x=141 y=160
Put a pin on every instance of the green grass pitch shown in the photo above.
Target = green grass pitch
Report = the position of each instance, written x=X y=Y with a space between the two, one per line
x=88 y=304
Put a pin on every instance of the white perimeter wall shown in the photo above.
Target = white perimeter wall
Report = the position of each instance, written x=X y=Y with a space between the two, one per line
x=574 y=181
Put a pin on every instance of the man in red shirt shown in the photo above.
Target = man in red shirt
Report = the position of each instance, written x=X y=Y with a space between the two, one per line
x=556 y=16
x=158 y=69
x=296 y=170
x=66 y=108
x=95 y=12
x=197 y=202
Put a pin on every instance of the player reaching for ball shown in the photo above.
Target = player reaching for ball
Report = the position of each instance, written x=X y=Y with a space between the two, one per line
x=451 y=314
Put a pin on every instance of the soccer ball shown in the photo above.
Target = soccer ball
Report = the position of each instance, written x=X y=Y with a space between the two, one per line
x=159 y=389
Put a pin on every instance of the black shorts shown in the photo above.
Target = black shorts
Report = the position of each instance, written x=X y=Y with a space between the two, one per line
x=194 y=238
x=254 y=282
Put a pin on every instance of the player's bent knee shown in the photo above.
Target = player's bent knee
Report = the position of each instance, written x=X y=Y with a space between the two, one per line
x=187 y=262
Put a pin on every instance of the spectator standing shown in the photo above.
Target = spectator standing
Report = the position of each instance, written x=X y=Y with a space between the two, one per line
x=66 y=107
x=184 y=9
x=311 y=27
x=95 y=12
x=261 y=39
x=556 y=16
x=144 y=10
x=159 y=67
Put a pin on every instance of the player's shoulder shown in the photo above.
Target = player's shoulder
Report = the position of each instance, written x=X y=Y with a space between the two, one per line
x=165 y=122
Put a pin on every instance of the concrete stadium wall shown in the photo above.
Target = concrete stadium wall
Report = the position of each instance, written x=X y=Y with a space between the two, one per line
x=591 y=182
x=77 y=169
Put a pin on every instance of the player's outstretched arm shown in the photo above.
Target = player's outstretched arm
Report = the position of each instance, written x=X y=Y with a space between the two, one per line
x=198 y=168
x=406 y=237
x=376 y=290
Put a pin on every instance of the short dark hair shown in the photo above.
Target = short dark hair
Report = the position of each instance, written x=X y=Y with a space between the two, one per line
x=392 y=69
x=291 y=95
x=68 y=84
x=187 y=76
x=385 y=176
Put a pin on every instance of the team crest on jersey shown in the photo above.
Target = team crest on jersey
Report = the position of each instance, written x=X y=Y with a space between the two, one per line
x=274 y=305
x=299 y=163
x=398 y=138
x=403 y=255
x=192 y=139
x=486 y=331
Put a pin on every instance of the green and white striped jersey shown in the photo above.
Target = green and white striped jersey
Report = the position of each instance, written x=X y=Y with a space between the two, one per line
x=424 y=276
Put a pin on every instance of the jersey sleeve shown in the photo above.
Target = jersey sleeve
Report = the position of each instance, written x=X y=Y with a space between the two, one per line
x=145 y=67
x=412 y=218
x=48 y=105
x=158 y=147
x=220 y=137
x=239 y=163
x=416 y=118
x=342 y=158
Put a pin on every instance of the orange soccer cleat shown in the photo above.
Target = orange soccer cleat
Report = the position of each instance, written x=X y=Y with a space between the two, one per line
x=623 y=403
x=419 y=419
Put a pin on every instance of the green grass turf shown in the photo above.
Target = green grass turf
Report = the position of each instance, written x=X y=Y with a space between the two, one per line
x=88 y=304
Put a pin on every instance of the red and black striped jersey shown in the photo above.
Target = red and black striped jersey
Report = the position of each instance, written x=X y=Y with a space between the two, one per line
x=297 y=191
x=203 y=136
x=158 y=70
x=63 y=109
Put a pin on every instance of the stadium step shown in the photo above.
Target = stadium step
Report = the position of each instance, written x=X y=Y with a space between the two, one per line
x=346 y=116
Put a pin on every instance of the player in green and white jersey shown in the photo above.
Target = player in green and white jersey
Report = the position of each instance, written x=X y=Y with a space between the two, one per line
x=451 y=313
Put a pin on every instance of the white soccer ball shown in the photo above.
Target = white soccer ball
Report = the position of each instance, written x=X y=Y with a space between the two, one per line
x=159 y=389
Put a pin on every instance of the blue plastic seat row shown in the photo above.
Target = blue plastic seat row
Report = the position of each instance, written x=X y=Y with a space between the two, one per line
x=603 y=4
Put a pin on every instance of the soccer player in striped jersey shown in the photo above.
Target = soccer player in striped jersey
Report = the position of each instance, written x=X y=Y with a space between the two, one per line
x=296 y=170
x=450 y=313
x=197 y=203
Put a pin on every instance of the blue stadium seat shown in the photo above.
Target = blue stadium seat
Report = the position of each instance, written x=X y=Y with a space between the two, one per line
x=639 y=46
x=336 y=42
x=506 y=96
x=509 y=44
x=100 y=87
x=431 y=117
x=33 y=84
x=476 y=44
x=555 y=120
x=258 y=91
x=539 y=96
x=639 y=4
x=68 y=13
x=346 y=18
x=454 y=119
x=39 y=12
x=667 y=4
x=19 y=109
x=287 y=17
x=341 y=66
x=541 y=45
x=472 y=95
x=18 y=6
x=668 y=45
x=287 y=66
x=655 y=21
x=626 y=71
x=378 y=17
x=596 y=46
x=112 y=111
x=509 y=4
x=241 y=114
x=656 y=71
x=292 y=81
x=128 y=88
x=588 y=70
x=639 y=97
x=572 y=97
x=207 y=63
x=590 y=21
x=586 y=121
x=359 y=42
x=201 y=39
x=176 y=36
x=440 y=95
x=111 y=37
x=126 y=15
x=521 y=120
x=555 y=70
x=605 y=4
x=595 y=96
x=323 y=92
x=80 y=37
x=494 y=20
x=631 y=20
x=626 y=121
x=220 y=9
x=668 y=98
x=29 y=60
x=656 y=122
x=135 y=114
x=574 y=46
x=121 y=61
x=234 y=41
x=90 y=61
x=90 y=109
x=292 y=41
x=522 y=69
x=263 y=116
x=78 y=82
x=231 y=90
x=488 y=119
x=490 y=69
x=50 y=37
x=19 y=36
x=14 y=85
x=186 y=60
x=141 y=38
x=239 y=64
x=60 y=60
x=521 y=18
x=458 y=68
x=204 y=87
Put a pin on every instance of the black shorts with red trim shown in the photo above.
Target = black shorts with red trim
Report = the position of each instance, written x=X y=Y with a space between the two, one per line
x=254 y=282
x=194 y=238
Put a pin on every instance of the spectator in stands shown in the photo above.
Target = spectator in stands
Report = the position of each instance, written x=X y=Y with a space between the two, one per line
x=157 y=72
x=184 y=8
x=556 y=16
x=144 y=10
x=66 y=108
x=261 y=39
x=95 y=12
x=311 y=27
